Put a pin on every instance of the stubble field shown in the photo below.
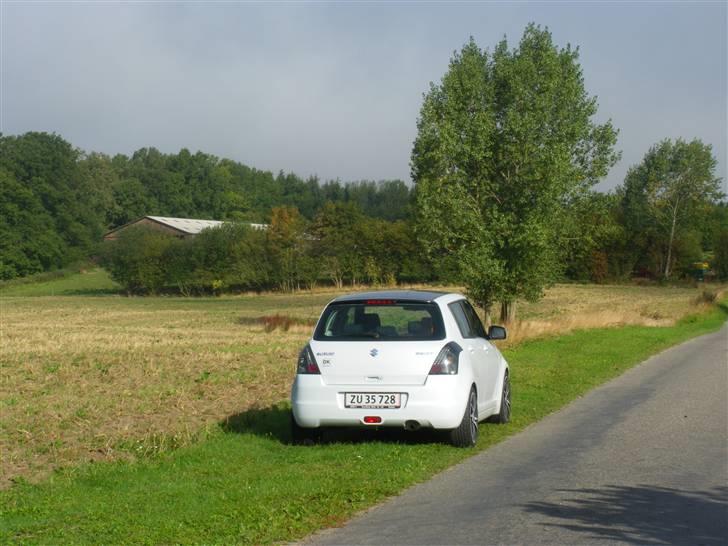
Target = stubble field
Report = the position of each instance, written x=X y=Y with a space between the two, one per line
x=88 y=378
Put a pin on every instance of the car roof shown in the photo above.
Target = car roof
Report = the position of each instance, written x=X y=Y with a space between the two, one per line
x=412 y=295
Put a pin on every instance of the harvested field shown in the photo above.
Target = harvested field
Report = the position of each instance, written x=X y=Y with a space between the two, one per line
x=95 y=378
x=569 y=307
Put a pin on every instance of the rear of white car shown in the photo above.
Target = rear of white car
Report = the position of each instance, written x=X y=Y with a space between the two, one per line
x=394 y=359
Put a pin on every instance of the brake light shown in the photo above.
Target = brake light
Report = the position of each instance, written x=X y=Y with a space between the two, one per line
x=447 y=360
x=306 y=362
x=380 y=302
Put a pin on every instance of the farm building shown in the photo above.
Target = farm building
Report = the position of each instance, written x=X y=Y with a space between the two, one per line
x=179 y=227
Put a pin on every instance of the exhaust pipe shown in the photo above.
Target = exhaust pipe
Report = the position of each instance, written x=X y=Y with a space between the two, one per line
x=412 y=425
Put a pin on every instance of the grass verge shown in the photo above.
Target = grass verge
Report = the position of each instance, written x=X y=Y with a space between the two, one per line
x=244 y=484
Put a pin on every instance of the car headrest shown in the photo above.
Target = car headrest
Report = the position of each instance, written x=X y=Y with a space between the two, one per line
x=427 y=326
x=371 y=321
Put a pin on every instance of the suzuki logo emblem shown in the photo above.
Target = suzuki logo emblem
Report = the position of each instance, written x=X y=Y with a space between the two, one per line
x=374 y=352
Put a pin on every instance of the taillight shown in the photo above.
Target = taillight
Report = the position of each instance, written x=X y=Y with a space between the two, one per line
x=446 y=362
x=307 y=362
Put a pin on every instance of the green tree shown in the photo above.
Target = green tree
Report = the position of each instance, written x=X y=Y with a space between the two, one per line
x=98 y=181
x=668 y=194
x=28 y=242
x=339 y=241
x=504 y=141
x=47 y=167
x=591 y=235
x=720 y=261
x=287 y=245
x=230 y=257
x=138 y=259
x=131 y=201
x=715 y=238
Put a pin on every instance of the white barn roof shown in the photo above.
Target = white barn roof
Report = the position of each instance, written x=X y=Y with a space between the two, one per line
x=187 y=225
x=182 y=226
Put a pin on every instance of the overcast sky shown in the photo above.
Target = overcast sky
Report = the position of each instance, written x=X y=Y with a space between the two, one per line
x=335 y=89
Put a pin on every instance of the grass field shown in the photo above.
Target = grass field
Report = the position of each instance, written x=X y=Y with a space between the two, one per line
x=185 y=395
x=89 y=282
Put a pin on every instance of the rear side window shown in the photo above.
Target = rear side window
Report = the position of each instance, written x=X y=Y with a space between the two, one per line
x=467 y=319
x=473 y=319
x=457 y=311
x=383 y=320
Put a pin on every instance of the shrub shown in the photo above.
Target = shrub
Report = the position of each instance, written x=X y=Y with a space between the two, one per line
x=598 y=266
x=229 y=257
x=236 y=257
x=138 y=259
x=708 y=297
x=720 y=262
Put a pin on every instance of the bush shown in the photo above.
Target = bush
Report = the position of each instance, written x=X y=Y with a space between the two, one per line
x=138 y=259
x=708 y=297
x=720 y=262
x=598 y=266
x=236 y=257
x=230 y=257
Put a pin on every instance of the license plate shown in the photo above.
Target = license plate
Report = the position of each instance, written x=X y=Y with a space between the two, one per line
x=368 y=400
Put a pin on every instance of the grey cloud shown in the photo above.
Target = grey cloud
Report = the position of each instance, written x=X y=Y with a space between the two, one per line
x=334 y=90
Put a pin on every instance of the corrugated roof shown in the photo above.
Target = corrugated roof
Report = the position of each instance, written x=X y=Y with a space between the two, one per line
x=187 y=225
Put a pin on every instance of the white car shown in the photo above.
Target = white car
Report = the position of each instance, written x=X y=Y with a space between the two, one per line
x=406 y=359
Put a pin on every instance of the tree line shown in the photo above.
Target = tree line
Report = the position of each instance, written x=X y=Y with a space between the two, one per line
x=504 y=165
x=56 y=201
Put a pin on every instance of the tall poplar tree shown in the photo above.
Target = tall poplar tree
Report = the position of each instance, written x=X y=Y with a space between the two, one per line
x=504 y=142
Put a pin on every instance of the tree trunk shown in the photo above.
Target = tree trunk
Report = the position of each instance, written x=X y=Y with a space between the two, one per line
x=672 y=238
x=508 y=312
x=487 y=318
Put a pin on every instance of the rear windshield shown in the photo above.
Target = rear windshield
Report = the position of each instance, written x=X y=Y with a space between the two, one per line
x=383 y=320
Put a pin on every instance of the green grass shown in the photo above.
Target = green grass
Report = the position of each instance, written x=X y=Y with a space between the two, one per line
x=88 y=283
x=243 y=483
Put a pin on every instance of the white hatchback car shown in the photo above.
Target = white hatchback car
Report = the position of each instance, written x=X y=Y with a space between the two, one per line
x=406 y=359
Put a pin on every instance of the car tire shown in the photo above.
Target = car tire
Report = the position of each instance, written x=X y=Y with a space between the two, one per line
x=504 y=414
x=301 y=436
x=466 y=435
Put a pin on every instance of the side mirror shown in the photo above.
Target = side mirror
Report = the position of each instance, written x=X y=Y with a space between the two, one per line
x=496 y=332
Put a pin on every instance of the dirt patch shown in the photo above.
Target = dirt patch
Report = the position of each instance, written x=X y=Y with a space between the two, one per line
x=279 y=322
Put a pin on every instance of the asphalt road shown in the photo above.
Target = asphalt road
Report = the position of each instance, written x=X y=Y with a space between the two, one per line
x=642 y=459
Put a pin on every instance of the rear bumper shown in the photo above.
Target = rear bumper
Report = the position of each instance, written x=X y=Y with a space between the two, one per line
x=439 y=403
